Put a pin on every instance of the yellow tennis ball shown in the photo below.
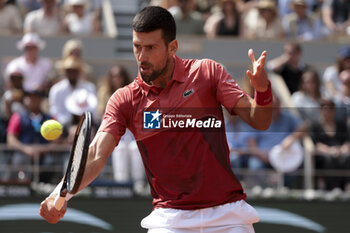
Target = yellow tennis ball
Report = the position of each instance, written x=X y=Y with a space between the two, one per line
x=51 y=130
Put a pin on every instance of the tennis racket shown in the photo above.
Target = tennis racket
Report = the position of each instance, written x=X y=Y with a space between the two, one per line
x=77 y=160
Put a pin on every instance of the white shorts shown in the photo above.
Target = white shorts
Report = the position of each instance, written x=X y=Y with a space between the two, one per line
x=236 y=217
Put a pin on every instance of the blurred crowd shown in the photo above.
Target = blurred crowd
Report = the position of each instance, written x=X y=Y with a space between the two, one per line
x=38 y=88
x=302 y=20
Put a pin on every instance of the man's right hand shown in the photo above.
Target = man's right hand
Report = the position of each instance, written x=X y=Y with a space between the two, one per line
x=49 y=212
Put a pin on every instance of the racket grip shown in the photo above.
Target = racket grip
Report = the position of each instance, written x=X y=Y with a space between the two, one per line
x=59 y=202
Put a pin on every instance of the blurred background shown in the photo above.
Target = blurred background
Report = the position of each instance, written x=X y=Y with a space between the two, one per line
x=59 y=58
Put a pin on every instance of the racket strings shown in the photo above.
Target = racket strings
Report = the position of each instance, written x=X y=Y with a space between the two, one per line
x=78 y=152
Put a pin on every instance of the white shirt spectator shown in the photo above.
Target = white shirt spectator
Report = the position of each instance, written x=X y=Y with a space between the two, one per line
x=331 y=75
x=34 y=74
x=58 y=94
x=80 y=26
x=10 y=20
x=36 y=21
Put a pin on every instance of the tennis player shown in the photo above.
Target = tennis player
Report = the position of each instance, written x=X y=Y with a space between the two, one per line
x=191 y=181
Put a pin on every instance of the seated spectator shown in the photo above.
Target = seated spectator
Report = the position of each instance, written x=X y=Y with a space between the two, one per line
x=117 y=77
x=26 y=6
x=285 y=6
x=45 y=21
x=238 y=134
x=336 y=16
x=307 y=98
x=79 y=21
x=331 y=78
x=10 y=19
x=289 y=65
x=188 y=21
x=23 y=134
x=127 y=164
x=285 y=129
x=74 y=48
x=226 y=22
x=60 y=91
x=332 y=148
x=35 y=69
x=342 y=99
x=126 y=159
x=13 y=97
x=263 y=22
x=301 y=24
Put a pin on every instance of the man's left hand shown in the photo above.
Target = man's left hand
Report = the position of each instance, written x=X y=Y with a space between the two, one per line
x=257 y=76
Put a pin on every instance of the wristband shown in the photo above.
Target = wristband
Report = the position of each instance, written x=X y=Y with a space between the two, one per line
x=263 y=98
x=57 y=191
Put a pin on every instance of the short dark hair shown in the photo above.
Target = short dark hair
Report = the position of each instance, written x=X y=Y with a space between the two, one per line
x=152 y=18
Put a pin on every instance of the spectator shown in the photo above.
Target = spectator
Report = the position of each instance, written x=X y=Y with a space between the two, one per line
x=307 y=98
x=45 y=21
x=227 y=22
x=331 y=74
x=117 y=77
x=336 y=16
x=26 y=6
x=301 y=24
x=35 y=69
x=126 y=159
x=167 y=4
x=188 y=21
x=332 y=147
x=285 y=6
x=342 y=99
x=60 y=91
x=10 y=19
x=238 y=134
x=79 y=21
x=285 y=129
x=74 y=48
x=23 y=134
x=263 y=21
x=13 y=96
x=289 y=65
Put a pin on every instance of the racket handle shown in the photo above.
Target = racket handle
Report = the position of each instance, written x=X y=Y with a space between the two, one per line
x=59 y=202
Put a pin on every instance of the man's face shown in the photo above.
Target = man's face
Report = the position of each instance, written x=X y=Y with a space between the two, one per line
x=31 y=51
x=73 y=75
x=151 y=53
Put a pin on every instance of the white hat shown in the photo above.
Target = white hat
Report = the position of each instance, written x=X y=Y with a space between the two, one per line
x=31 y=39
x=286 y=160
x=80 y=101
x=12 y=69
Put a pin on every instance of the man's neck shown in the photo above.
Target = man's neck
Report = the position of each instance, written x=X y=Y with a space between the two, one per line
x=31 y=60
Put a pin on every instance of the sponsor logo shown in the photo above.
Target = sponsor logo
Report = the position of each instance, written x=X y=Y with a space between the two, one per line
x=188 y=92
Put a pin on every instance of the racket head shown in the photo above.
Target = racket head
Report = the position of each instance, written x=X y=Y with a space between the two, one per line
x=79 y=152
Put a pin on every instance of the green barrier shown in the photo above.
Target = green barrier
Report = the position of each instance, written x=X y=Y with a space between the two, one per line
x=89 y=215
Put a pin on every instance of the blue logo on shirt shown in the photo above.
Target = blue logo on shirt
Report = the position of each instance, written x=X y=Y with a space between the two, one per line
x=151 y=120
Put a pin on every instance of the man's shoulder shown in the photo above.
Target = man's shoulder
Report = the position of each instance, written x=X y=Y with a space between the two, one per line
x=59 y=86
x=35 y=14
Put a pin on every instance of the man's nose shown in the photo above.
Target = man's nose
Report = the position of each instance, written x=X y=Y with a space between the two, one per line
x=142 y=56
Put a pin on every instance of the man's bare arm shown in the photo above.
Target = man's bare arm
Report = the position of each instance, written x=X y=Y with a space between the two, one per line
x=99 y=150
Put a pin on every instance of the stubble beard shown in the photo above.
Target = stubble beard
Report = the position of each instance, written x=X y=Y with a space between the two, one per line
x=155 y=73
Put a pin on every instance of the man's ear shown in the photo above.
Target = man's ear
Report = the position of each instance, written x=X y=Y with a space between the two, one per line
x=172 y=47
